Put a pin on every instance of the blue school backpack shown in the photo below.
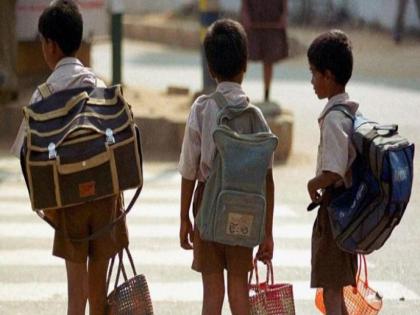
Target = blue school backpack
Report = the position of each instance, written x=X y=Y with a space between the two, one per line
x=363 y=217
x=233 y=208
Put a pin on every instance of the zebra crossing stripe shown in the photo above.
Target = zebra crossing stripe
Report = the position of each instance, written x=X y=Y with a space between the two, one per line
x=142 y=209
x=178 y=257
x=190 y=291
x=41 y=230
x=20 y=193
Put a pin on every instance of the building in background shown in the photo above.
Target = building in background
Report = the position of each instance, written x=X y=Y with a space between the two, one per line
x=377 y=12
x=29 y=55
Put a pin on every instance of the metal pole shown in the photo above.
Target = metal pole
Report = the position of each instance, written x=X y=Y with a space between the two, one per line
x=209 y=13
x=117 y=10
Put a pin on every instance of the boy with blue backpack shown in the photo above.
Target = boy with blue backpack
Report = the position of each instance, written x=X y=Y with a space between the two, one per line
x=208 y=137
x=363 y=180
x=331 y=63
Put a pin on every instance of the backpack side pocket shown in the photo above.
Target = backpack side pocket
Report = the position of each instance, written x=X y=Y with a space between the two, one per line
x=240 y=218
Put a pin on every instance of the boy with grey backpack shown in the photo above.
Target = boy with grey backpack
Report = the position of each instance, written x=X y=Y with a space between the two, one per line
x=227 y=149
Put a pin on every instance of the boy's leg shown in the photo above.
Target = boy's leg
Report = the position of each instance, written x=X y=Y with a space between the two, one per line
x=77 y=287
x=334 y=301
x=97 y=286
x=213 y=293
x=238 y=293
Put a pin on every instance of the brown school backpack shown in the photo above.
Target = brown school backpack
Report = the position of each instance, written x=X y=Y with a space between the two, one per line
x=81 y=145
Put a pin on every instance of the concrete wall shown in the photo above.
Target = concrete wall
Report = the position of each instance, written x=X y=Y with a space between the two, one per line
x=94 y=12
x=383 y=12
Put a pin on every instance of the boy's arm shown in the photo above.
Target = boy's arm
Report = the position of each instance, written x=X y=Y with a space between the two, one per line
x=20 y=137
x=186 y=229
x=265 y=250
x=322 y=181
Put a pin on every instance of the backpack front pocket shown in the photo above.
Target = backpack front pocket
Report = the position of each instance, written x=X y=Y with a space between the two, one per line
x=240 y=218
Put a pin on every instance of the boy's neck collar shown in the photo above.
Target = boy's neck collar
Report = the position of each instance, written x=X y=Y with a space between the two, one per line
x=66 y=60
x=337 y=91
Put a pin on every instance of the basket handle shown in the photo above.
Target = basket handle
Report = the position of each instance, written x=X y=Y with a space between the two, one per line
x=362 y=264
x=255 y=268
x=121 y=268
x=270 y=273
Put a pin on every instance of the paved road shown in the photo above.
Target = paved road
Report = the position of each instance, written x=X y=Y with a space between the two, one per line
x=33 y=281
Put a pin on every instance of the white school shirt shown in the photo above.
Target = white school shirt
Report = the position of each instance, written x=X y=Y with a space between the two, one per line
x=198 y=147
x=69 y=73
x=336 y=151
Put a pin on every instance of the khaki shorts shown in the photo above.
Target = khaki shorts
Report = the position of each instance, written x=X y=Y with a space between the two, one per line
x=331 y=267
x=83 y=220
x=211 y=257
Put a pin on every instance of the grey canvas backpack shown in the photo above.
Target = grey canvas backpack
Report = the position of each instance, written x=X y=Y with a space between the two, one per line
x=233 y=208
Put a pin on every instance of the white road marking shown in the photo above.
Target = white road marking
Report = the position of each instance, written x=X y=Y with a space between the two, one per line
x=42 y=230
x=173 y=257
x=180 y=291
x=19 y=192
x=143 y=209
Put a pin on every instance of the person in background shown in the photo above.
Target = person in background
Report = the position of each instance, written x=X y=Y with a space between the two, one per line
x=399 y=19
x=265 y=23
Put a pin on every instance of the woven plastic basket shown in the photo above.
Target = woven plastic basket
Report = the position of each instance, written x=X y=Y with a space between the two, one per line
x=132 y=297
x=360 y=300
x=268 y=298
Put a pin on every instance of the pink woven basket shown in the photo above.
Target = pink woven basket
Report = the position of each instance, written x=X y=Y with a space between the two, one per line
x=360 y=300
x=268 y=298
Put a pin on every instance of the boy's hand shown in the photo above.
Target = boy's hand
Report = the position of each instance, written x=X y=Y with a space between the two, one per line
x=186 y=234
x=313 y=191
x=265 y=250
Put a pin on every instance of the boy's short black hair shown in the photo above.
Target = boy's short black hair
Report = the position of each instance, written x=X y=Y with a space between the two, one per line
x=226 y=48
x=62 y=22
x=332 y=51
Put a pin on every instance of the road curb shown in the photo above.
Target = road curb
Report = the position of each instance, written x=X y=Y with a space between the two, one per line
x=162 y=137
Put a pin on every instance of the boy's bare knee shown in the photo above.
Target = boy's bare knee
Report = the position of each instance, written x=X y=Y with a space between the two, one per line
x=333 y=300
x=238 y=294
x=97 y=286
x=77 y=277
x=214 y=284
x=77 y=287
x=213 y=293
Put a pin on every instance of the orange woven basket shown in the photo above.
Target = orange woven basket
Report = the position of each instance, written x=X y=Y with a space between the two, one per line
x=361 y=299
x=268 y=298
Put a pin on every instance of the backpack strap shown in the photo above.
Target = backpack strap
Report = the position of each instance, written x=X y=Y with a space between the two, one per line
x=220 y=100
x=44 y=90
x=228 y=111
x=343 y=109
x=103 y=230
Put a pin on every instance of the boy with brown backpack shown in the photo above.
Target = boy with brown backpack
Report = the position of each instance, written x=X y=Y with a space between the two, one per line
x=61 y=27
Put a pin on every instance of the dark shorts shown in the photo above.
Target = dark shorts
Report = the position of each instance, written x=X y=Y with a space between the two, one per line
x=211 y=257
x=331 y=267
x=83 y=220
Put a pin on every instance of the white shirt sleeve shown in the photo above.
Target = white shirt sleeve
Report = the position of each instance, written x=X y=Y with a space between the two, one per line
x=189 y=161
x=335 y=141
x=20 y=137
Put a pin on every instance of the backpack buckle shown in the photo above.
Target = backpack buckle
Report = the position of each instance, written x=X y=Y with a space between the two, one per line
x=109 y=136
x=52 y=152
